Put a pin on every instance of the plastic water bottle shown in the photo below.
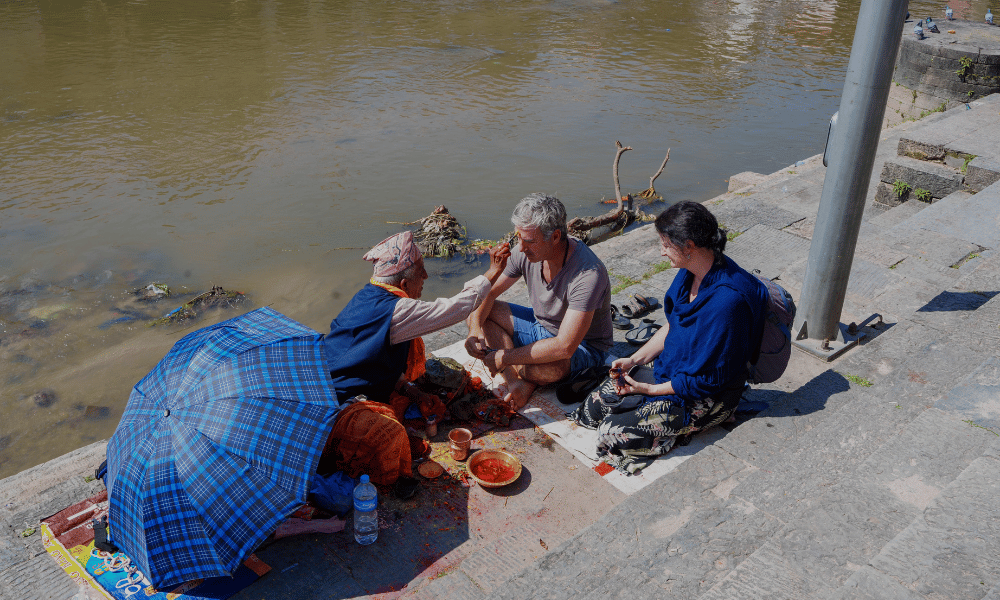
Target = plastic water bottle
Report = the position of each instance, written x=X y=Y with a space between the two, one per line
x=365 y=512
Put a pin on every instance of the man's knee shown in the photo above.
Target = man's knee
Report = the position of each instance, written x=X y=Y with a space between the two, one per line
x=547 y=373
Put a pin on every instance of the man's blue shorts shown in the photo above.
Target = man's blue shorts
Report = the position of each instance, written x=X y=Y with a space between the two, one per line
x=527 y=330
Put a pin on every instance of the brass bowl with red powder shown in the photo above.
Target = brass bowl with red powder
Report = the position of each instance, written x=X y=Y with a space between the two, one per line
x=494 y=468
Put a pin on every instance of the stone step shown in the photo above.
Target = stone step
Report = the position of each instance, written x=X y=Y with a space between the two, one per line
x=972 y=218
x=897 y=376
x=938 y=179
x=961 y=133
x=851 y=522
x=897 y=214
x=839 y=513
x=981 y=173
x=949 y=550
x=675 y=539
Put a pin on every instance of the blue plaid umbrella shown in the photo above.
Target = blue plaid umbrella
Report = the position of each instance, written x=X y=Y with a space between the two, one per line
x=217 y=446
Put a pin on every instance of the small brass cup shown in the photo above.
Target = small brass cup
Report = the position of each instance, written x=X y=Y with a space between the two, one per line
x=461 y=441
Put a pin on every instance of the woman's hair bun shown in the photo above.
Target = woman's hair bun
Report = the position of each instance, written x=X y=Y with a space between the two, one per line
x=719 y=242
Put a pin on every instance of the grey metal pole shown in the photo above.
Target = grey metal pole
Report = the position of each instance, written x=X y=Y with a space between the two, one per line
x=850 y=156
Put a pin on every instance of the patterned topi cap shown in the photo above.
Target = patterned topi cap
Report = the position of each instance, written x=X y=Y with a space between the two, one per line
x=394 y=254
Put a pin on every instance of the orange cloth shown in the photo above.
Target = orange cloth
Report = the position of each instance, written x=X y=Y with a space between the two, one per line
x=432 y=406
x=367 y=439
x=415 y=366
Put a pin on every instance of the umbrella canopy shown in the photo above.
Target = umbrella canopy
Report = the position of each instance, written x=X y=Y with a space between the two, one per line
x=217 y=446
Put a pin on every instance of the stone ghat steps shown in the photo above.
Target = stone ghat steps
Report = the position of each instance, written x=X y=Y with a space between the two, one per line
x=838 y=485
x=945 y=155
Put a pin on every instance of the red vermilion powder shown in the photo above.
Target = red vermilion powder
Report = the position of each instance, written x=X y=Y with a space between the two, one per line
x=493 y=470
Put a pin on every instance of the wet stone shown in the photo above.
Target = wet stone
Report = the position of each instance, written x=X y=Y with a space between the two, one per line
x=95 y=412
x=43 y=398
x=152 y=292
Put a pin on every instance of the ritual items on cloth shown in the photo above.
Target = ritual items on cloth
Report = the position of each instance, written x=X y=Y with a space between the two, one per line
x=467 y=398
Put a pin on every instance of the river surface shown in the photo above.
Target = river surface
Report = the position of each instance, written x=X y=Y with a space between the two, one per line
x=262 y=146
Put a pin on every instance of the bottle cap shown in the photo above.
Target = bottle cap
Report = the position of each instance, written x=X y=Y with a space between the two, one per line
x=364 y=479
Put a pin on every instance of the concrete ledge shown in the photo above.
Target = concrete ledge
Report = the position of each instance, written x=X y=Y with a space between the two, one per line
x=936 y=178
x=745 y=179
x=981 y=173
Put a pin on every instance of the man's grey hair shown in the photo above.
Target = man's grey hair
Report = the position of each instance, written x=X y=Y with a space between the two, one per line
x=544 y=212
x=395 y=279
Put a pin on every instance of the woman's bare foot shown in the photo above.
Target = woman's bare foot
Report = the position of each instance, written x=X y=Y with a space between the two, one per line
x=519 y=393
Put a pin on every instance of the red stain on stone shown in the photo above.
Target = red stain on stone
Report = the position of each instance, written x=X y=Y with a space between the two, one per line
x=603 y=468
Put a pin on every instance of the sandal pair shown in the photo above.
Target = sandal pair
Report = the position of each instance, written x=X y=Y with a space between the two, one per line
x=639 y=306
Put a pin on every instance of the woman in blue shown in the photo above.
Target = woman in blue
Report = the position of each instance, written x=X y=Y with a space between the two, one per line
x=715 y=316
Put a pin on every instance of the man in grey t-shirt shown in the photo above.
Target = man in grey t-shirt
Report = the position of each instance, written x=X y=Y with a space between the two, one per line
x=568 y=326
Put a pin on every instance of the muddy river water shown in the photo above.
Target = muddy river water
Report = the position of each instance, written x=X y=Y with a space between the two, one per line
x=262 y=145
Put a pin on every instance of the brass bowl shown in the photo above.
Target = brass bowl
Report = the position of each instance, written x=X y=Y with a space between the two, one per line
x=503 y=456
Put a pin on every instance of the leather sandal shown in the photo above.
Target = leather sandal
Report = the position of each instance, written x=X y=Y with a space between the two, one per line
x=639 y=306
x=618 y=321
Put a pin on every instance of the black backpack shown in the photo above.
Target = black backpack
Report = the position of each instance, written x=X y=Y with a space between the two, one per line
x=769 y=361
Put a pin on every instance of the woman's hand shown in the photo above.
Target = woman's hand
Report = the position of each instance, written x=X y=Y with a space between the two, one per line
x=498 y=260
x=625 y=385
x=623 y=364
x=619 y=367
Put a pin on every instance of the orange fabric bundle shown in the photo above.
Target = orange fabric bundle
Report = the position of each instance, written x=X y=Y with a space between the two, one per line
x=368 y=439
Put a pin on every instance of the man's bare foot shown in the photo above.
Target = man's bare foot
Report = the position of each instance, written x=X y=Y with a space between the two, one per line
x=519 y=394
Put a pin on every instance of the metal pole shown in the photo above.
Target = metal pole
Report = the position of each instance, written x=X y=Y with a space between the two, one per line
x=851 y=155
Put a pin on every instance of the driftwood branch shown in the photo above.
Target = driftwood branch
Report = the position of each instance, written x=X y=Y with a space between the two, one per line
x=581 y=224
x=651 y=191
x=614 y=172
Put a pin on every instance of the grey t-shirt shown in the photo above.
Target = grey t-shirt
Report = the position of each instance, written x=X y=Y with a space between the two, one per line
x=582 y=284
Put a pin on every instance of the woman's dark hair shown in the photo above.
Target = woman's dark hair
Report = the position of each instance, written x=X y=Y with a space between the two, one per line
x=692 y=221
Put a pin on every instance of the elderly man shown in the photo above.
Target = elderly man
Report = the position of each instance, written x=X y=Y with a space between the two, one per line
x=374 y=348
x=567 y=328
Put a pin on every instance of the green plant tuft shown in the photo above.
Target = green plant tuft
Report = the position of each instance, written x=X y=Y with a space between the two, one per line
x=858 y=380
x=624 y=281
x=966 y=68
x=900 y=188
x=922 y=194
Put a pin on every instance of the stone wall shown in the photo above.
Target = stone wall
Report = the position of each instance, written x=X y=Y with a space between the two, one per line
x=959 y=64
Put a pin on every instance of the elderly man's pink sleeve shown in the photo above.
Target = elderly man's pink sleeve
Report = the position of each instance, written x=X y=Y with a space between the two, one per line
x=414 y=318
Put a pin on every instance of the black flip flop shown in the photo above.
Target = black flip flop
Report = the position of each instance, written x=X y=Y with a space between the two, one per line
x=639 y=306
x=618 y=321
x=638 y=337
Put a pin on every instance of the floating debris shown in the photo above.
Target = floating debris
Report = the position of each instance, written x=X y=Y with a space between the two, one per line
x=152 y=292
x=217 y=297
x=439 y=234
